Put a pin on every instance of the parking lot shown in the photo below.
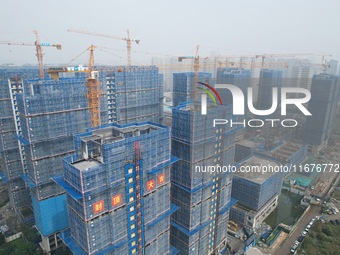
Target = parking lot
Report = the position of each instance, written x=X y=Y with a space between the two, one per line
x=285 y=248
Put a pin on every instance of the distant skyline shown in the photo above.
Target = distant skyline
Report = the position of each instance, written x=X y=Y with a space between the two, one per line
x=168 y=28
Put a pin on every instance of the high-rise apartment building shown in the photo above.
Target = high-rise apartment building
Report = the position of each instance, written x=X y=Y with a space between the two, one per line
x=332 y=67
x=183 y=88
x=236 y=76
x=44 y=114
x=134 y=94
x=50 y=113
x=118 y=191
x=268 y=80
x=199 y=226
x=323 y=106
x=11 y=151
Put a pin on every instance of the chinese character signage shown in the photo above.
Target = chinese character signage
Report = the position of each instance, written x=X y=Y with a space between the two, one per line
x=98 y=206
x=150 y=185
x=161 y=178
x=116 y=200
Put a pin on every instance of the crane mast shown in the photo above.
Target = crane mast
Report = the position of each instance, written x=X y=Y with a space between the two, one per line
x=128 y=47
x=93 y=92
x=39 y=54
x=196 y=69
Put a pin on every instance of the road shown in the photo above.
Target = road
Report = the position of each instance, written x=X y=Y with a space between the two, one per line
x=285 y=248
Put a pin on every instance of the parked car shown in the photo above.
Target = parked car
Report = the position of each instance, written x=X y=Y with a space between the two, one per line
x=300 y=239
x=337 y=222
x=294 y=247
x=304 y=233
x=332 y=222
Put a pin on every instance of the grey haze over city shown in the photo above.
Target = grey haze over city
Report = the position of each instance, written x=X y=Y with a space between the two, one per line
x=172 y=28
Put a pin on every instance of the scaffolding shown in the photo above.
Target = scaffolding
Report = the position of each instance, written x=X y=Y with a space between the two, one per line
x=118 y=190
x=50 y=114
x=236 y=76
x=183 y=88
x=41 y=116
x=138 y=95
x=199 y=225
x=10 y=150
x=129 y=94
x=254 y=189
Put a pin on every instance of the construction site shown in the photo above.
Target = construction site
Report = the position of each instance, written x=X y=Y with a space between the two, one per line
x=41 y=116
x=91 y=163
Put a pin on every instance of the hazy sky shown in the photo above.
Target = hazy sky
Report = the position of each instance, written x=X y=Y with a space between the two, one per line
x=169 y=27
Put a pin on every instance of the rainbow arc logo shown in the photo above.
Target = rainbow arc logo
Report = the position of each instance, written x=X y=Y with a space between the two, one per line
x=212 y=93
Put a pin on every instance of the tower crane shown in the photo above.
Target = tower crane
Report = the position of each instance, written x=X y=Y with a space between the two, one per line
x=38 y=46
x=291 y=55
x=196 y=59
x=127 y=39
x=323 y=61
x=92 y=84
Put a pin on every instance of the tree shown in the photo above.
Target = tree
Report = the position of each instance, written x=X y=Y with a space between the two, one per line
x=28 y=233
x=327 y=230
x=2 y=239
x=7 y=249
x=17 y=247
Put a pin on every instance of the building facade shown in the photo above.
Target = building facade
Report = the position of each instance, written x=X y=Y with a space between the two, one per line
x=256 y=192
x=12 y=165
x=236 y=76
x=323 y=106
x=134 y=94
x=268 y=80
x=118 y=191
x=50 y=113
x=183 y=87
x=40 y=118
x=200 y=224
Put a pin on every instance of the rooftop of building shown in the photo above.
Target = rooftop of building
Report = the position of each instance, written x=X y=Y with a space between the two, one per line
x=256 y=165
x=248 y=143
x=196 y=106
x=114 y=133
x=85 y=164
x=324 y=76
x=108 y=134
x=234 y=70
x=286 y=150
